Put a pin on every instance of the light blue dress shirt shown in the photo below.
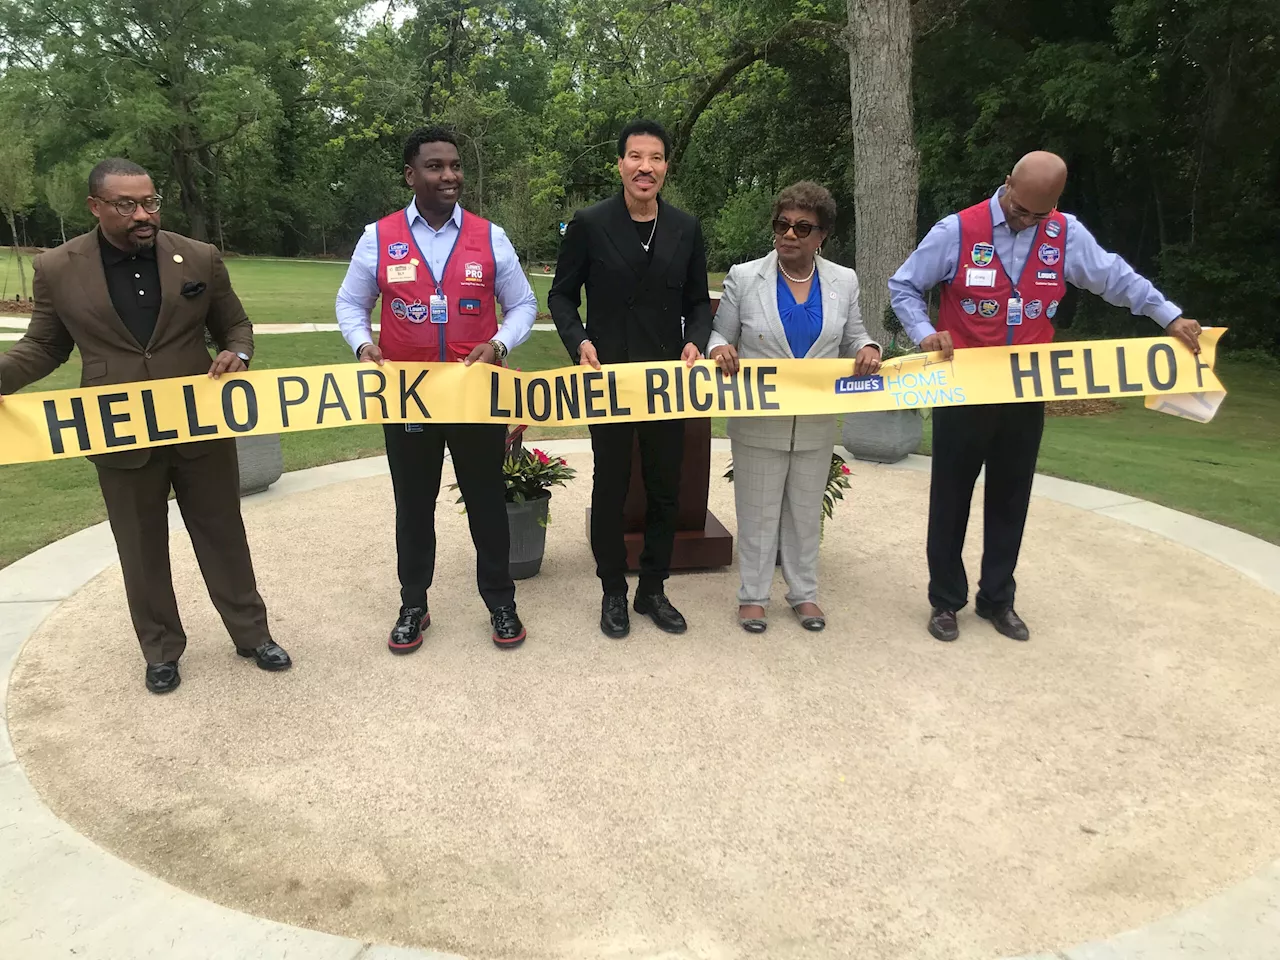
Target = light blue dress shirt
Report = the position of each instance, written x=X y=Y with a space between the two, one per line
x=1085 y=265
x=359 y=291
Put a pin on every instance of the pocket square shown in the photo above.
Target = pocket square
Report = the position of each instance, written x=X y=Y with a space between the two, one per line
x=193 y=288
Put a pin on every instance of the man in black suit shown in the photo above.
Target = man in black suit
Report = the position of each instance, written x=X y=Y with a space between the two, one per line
x=644 y=265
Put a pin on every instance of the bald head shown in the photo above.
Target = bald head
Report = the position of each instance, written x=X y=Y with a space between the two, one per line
x=1033 y=188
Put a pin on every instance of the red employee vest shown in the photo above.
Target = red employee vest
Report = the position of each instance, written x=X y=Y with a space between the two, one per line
x=407 y=285
x=976 y=314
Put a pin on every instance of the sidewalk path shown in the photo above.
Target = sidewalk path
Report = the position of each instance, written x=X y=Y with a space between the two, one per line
x=865 y=791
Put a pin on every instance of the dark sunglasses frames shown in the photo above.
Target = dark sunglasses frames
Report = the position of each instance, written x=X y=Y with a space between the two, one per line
x=801 y=229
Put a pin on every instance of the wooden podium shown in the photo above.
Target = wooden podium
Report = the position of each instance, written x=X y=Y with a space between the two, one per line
x=701 y=540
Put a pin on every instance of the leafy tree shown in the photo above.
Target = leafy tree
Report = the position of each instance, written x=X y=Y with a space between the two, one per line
x=65 y=187
x=17 y=189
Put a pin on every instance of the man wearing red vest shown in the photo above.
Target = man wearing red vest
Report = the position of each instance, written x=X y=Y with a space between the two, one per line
x=441 y=272
x=1004 y=264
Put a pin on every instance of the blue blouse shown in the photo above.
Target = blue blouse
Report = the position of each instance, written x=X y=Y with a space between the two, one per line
x=801 y=321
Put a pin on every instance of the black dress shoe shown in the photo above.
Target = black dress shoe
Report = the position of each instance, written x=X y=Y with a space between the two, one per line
x=270 y=656
x=943 y=625
x=508 y=631
x=615 y=620
x=661 y=612
x=163 y=677
x=1007 y=622
x=406 y=635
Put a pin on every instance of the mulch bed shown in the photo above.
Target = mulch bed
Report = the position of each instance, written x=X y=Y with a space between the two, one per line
x=1081 y=408
x=10 y=307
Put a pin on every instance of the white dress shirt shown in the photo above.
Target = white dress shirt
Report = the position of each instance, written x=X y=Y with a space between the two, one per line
x=359 y=291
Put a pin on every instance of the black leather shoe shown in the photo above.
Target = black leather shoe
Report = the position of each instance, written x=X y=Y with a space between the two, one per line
x=508 y=631
x=943 y=625
x=270 y=656
x=661 y=612
x=615 y=620
x=1008 y=623
x=163 y=677
x=406 y=635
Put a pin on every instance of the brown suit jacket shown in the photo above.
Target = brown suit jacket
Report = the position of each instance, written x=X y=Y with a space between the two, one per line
x=72 y=309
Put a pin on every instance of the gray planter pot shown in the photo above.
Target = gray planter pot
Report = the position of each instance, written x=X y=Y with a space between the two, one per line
x=882 y=436
x=528 y=523
x=261 y=462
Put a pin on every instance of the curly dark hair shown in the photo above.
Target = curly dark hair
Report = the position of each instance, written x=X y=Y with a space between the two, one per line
x=432 y=134
x=807 y=195
x=642 y=127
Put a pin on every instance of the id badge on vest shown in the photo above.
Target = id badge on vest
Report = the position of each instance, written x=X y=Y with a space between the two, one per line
x=402 y=272
x=1015 y=312
x=439 y=307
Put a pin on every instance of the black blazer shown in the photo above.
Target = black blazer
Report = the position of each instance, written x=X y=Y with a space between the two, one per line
x=634 y=306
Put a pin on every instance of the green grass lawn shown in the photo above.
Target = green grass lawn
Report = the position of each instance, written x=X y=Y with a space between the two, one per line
x=1227 y=471
x=285 y=291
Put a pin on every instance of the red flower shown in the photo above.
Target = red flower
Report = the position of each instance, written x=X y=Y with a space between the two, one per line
x=563 y=461
x=542 y=457
x=844 y=468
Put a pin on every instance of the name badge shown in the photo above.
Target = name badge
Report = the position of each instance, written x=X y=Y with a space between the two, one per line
x=979 y=278
x=1015 y=312
x=439 y=306
x=401 y=272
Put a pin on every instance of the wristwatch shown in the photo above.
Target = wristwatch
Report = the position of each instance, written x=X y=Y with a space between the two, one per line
x=244 y=357
x=499 y=349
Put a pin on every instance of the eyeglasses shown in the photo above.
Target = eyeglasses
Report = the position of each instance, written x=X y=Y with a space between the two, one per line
x=802 y=229
x=1022 y=213
x=126 y=208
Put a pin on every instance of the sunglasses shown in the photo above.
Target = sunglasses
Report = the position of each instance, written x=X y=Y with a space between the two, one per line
x=801 y=229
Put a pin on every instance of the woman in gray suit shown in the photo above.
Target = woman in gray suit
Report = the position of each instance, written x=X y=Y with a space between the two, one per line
x=791 y=303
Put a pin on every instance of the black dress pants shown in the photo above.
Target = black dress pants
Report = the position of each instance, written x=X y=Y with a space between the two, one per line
x=416 y=456
x=1005 y=437
x=661 y=453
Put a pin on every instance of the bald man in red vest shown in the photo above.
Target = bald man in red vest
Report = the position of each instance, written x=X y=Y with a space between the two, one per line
x=1004 y=265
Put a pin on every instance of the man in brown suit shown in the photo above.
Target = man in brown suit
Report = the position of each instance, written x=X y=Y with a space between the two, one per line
x=137 y=301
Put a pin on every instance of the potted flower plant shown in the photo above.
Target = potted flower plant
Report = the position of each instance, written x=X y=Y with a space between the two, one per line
x=529 y=476
x=837 y=484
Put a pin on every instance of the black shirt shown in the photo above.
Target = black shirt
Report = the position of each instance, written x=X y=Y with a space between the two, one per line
x=133 y=280
x=646 y=230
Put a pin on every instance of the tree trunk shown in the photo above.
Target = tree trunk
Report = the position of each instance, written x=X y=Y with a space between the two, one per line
x=62 y=228
x=885 y=161
x=17 y=251
x=479 y=176
x=184 y=169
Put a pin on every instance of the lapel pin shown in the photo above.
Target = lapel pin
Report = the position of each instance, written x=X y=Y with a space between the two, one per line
x=177 y=258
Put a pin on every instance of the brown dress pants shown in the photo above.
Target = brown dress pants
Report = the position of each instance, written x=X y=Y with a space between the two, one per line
x=207 y=488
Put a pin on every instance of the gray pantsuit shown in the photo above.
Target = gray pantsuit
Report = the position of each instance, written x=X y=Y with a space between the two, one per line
x=780 y=464
x=778 y=494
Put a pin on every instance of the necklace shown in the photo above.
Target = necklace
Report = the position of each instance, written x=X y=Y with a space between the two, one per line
x=812 y=269
x=648 y=243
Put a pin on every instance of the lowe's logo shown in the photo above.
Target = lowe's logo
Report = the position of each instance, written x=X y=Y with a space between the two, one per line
x=872 y=384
